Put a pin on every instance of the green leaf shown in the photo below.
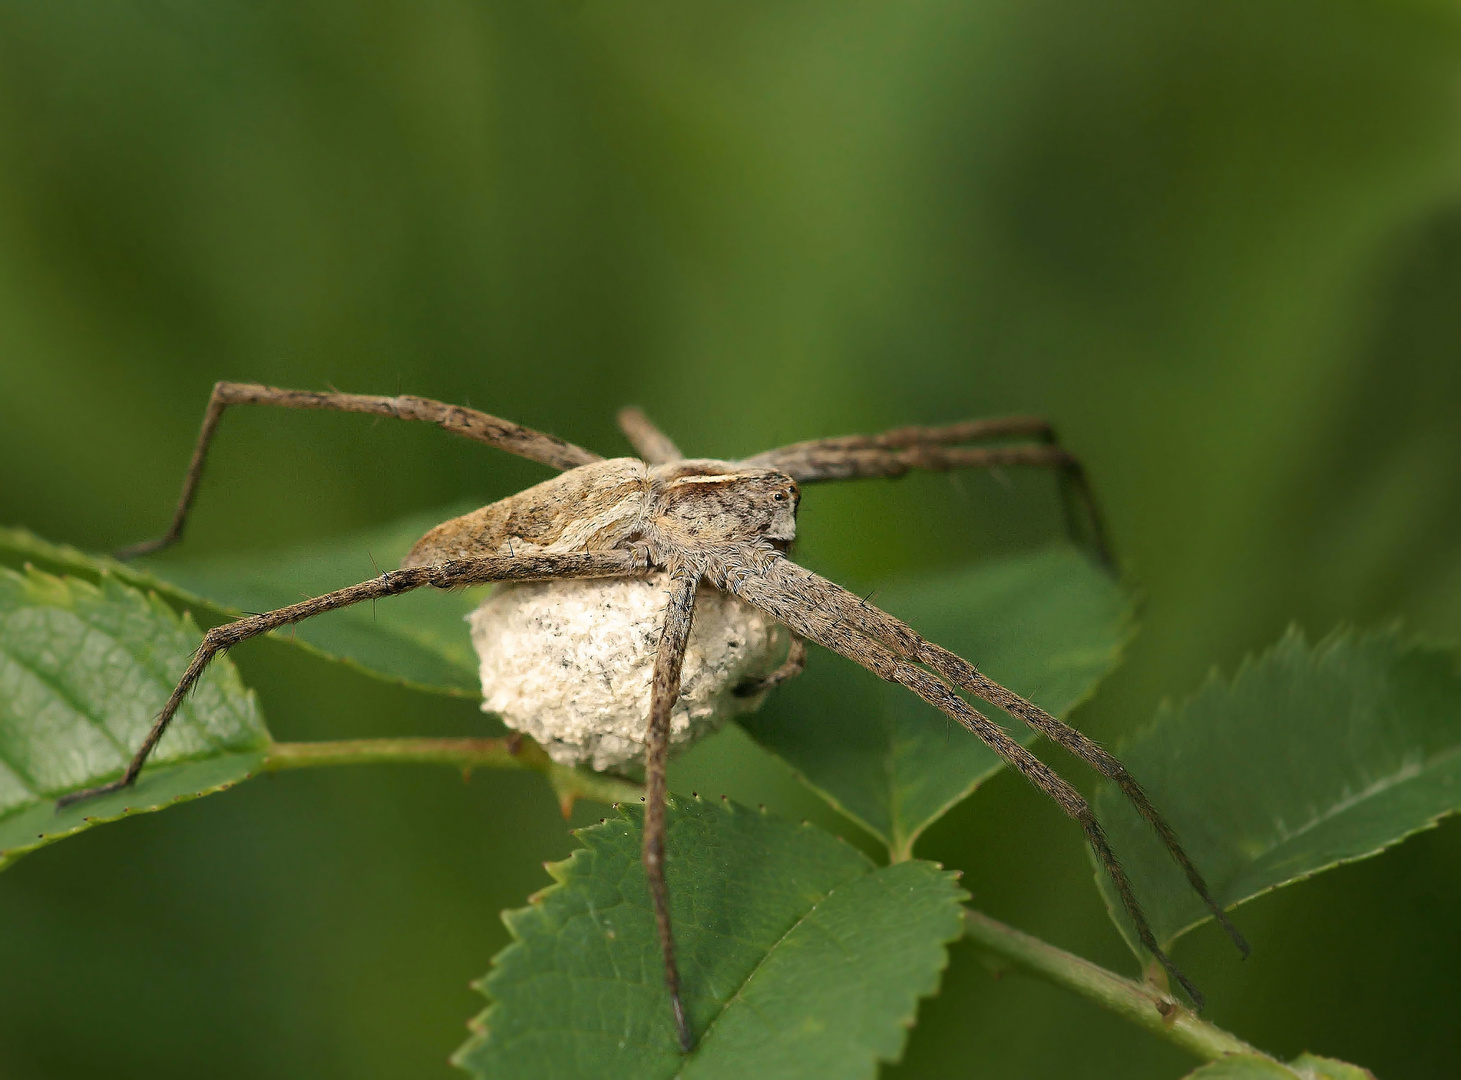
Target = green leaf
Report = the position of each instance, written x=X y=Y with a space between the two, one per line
x=24 y=546
x=1243 y=1067
x=798 y=956
x=1312 y=756
x=83 y=670
x=1311 y=1067
x=1049 y=625
x=419 y=639
x=1303 y=1067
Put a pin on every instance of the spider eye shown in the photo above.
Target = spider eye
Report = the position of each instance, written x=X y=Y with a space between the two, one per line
x=779 y=496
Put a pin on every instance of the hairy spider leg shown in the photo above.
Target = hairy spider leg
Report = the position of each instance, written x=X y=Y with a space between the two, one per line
x=908 y=643
x=896 y=452
x=649 y=442
x=469 y=423
x=835 y=630
x=445 y=575
x=794 y=664
x=665 y=691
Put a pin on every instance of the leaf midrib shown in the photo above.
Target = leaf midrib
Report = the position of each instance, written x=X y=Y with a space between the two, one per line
x=71 y=702
x=762 y=963
x=1344 y=806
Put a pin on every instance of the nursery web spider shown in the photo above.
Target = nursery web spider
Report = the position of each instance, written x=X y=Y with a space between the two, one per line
x=728 y=523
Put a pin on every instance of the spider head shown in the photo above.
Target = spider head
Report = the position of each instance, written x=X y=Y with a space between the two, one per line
x=707 y=501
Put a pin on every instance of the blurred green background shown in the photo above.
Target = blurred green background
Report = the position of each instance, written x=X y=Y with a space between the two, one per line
x=1220 y=245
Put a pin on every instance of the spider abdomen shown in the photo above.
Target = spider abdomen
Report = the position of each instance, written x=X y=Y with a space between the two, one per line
x=594 y=507
x=569 y=663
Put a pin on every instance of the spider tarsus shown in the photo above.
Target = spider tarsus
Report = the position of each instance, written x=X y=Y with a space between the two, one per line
x=1127 y=783
x=1198 y=1001
x=146 y=547
x=75 y=797
x=682 y=1028
x=1237 y=938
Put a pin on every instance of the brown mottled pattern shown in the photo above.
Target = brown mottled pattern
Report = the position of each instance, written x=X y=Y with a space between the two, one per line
x=592 y=508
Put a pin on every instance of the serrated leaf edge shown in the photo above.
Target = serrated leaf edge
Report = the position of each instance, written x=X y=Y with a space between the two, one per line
x=1293 y=637
x=68 y=590
x=561 y=871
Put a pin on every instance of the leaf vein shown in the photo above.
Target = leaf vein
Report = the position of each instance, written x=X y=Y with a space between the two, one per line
x=751 y=975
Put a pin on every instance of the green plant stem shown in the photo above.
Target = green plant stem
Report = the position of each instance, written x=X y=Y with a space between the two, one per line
x=1142 y=1004
x=1138 y=1002
x=465 y=754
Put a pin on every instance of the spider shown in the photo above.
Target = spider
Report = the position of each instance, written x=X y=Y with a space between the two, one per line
x=726 y=523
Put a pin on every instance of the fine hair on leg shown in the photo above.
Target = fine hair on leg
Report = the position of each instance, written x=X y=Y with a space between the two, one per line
x=649 y=442
x=830 y=601
x=445 y=575
x=664 y=692
x=818 y=459
x=894 y=453
x=469 y=423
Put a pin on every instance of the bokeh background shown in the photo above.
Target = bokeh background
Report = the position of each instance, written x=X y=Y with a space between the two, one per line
x=1220 y=245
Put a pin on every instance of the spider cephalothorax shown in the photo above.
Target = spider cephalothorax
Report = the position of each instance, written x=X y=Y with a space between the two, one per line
x=697 y=523
x=703 y=502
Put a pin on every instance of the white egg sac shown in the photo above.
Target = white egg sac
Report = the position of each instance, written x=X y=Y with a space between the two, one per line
x=569 y=663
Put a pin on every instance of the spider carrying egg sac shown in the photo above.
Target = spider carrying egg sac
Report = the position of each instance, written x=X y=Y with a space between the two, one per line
x=569 y=663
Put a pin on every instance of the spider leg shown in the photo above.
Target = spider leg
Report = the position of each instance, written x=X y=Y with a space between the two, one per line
x=665 y=691
x=964 y=674
x=844 y=639
x=893 y=453
x=469 y=423
x=815 y=456
x=905 y=642
x=794 y=664
x=445 y=575
x=652 y=444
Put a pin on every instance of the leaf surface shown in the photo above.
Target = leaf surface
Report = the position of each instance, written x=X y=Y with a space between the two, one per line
x=1312 y=756
x=1303 y=1067
x=1243 y=1067
x=1312 y=1067
x=84 y=669
x=1049 y=625
x=419 y=639
x=799 y=957
x=23 y=546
